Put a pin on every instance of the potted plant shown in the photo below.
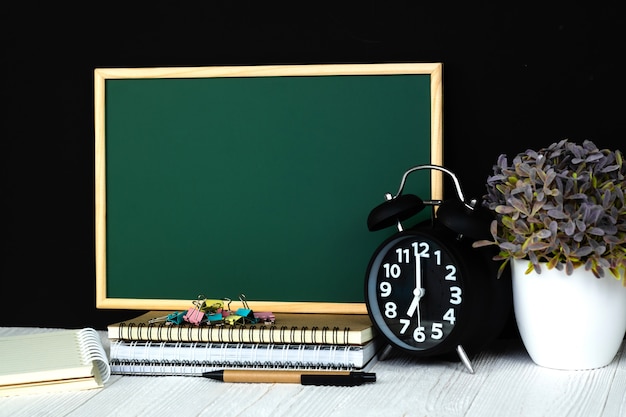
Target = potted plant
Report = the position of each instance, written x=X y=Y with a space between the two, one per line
x=560 y=214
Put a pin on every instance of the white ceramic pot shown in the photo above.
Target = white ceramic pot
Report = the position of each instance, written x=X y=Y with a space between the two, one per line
x=569 y=322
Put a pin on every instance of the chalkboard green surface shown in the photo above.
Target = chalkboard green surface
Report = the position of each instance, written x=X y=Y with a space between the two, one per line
x=254 y=180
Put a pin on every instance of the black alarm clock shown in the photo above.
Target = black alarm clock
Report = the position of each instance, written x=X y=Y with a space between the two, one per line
x=427 y=291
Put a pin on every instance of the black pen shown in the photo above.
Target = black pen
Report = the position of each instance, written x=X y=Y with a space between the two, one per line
x=336 y=378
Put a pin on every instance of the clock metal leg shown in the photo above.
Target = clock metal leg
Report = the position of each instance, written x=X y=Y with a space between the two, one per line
x=464 y=358
x=385 y=352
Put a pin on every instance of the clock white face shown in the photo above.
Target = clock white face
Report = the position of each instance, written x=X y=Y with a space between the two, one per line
x=414 y=291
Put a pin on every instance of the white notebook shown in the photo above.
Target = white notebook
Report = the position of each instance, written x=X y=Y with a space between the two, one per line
x=189 y=358
x=56 y=360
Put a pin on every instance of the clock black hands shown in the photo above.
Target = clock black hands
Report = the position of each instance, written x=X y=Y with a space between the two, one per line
x=418 y=292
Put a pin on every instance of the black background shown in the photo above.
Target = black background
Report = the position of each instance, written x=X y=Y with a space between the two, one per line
x=516 y=75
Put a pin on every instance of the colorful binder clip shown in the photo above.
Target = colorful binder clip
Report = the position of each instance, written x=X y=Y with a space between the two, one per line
x=176 y=317
x=195 y=315
x=227 y=311
x=215 y=319
x=213 y=306
x=265 y=317
x=234 y=319
x=245 y=312
x=173 y=318
x=216 y=312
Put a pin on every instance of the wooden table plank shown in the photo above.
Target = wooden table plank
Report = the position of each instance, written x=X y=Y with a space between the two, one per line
x=506 y=383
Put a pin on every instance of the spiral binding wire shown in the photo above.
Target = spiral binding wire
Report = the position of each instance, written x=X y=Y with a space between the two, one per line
x=228 y=334
x=92 y=350
x=196 y=368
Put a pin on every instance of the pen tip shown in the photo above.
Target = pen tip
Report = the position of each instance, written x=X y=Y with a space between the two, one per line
x=217 y=375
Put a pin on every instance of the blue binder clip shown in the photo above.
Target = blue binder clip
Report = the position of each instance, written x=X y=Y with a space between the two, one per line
x=246 y=313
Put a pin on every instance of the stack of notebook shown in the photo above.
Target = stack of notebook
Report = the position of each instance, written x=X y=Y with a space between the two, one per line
x=295 y=341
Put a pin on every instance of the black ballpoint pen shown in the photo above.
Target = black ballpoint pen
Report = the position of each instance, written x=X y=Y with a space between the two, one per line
x=336 y=378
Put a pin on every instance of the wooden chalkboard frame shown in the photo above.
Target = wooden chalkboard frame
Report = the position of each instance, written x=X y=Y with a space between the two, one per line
x=102 y=75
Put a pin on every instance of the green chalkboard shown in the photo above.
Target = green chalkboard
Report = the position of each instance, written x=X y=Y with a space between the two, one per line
x=257 y=180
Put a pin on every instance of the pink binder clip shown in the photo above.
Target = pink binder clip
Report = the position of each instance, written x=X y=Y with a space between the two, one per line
x=265 y=317
x=196 y=315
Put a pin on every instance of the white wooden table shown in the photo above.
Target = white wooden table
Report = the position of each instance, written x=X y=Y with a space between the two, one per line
x=506 y=383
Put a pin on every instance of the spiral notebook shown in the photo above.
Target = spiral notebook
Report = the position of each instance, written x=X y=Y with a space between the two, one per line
x=54 y=360
x=183 y=358
x=338 y=329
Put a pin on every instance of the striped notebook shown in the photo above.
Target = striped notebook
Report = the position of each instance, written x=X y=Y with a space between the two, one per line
x=292 y=328
x=194 y=358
